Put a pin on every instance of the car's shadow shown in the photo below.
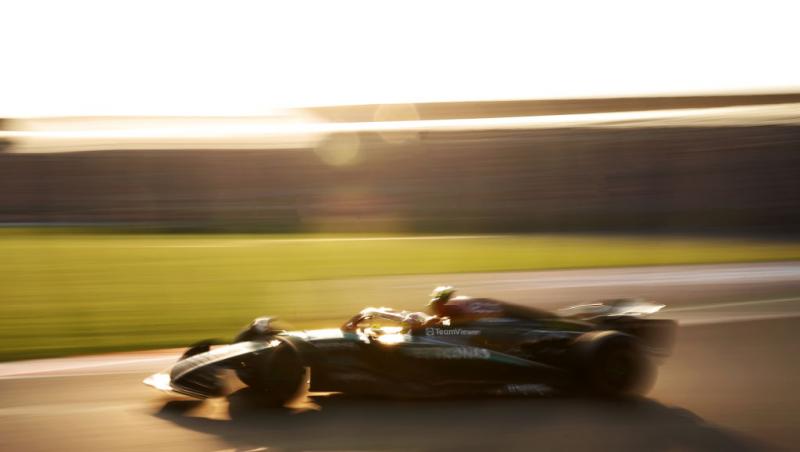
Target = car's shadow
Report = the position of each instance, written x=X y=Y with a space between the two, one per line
x=523 y=423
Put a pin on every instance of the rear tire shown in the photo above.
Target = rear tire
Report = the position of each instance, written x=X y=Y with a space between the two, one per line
x=613 y=364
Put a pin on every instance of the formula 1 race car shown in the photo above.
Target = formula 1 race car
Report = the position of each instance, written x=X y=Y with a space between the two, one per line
x=484 y=347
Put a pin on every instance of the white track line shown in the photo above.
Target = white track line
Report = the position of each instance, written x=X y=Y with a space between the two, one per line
x=629 y=276
x=732 y=304
x=733 y=318
x=66 y=409
x=142 y=373
x=671 y=277
x=68 y=366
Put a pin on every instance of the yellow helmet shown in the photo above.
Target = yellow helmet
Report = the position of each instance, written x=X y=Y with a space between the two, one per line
x=442 y=294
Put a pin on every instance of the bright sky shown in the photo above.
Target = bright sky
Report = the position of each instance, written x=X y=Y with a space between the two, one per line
x=133 y=57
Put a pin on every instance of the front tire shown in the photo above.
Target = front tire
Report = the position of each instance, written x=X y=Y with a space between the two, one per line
x=277 y=377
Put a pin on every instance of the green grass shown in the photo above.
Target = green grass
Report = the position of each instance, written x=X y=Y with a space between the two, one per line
x=63 y=293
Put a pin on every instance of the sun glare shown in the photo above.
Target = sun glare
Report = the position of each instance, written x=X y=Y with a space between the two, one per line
x=247 y=58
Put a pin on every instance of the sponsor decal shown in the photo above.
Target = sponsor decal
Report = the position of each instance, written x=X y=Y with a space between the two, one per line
x=484 y=307
x=353 y=377
x=451 y=332
x=449 y=353
x=551 y=335
x=336 y=345
x=526 y=389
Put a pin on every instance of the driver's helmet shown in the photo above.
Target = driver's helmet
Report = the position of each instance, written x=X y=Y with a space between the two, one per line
x=439 y=297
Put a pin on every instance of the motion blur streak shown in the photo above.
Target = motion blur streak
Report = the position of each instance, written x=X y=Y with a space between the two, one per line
x=253 y=133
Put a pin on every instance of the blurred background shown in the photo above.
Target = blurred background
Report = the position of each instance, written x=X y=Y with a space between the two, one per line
x=715 y=164
x=169 y=171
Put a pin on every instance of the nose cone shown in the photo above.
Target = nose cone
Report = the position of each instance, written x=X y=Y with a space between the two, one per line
x=160 y=381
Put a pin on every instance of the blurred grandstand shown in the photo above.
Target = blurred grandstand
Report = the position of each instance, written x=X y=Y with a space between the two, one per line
x=733 y=169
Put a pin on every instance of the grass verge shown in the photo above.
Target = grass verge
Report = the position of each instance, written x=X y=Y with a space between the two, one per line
x=64 y=293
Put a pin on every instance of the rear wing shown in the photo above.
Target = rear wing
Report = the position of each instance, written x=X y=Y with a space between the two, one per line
x=627 y=315
x=623 y=307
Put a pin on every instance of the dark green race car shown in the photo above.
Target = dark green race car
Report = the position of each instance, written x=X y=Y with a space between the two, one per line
x=483 y=346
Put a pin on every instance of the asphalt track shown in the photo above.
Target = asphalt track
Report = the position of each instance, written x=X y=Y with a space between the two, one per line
x=730 y=385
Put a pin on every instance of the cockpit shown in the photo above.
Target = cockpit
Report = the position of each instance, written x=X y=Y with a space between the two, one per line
x=386 y=325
